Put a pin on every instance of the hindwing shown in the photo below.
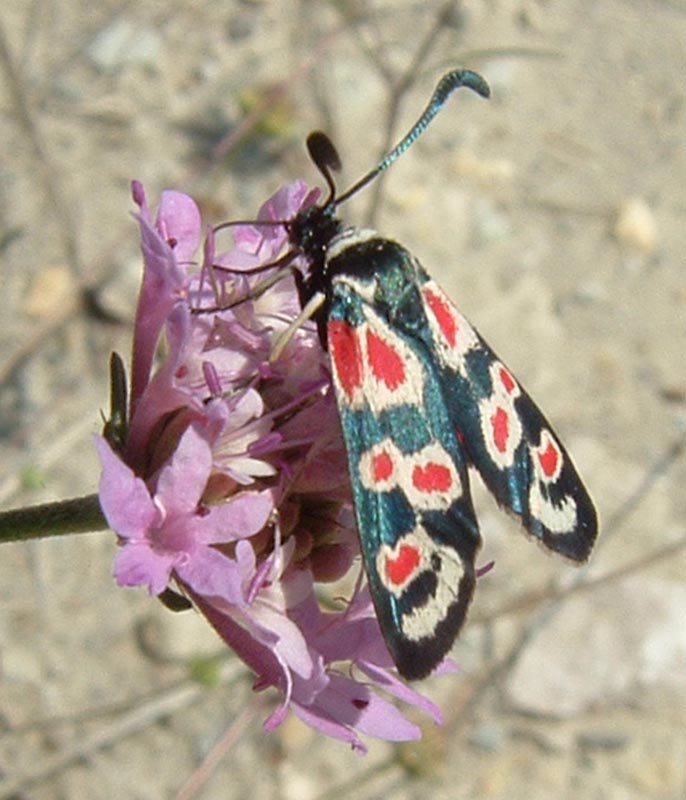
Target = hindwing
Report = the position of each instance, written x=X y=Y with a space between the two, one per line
x=505 y=435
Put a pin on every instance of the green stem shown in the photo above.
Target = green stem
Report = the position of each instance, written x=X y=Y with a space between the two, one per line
x=78 y=515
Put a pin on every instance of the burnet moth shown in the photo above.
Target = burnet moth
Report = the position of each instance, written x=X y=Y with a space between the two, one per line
x=421 y=399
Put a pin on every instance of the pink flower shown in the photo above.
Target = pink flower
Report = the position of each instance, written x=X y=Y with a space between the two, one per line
x=232 y=484
x=173 y=530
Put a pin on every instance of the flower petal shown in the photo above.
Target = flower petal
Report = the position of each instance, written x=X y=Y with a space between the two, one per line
x=178 y=218
x=213 y=575
x=353 y=704
x=137 y=565
x=183 y=480
x=240 y=518
x=124 y=498
x=317 y=719
x=291 y=645
x=393 y=685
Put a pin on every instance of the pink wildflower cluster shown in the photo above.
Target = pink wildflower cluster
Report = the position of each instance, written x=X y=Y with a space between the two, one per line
x=232 y=484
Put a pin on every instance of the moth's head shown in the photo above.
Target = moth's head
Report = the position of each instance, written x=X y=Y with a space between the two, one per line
x=312 y=229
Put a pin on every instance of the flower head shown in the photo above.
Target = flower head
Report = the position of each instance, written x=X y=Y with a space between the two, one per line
x=232 y=484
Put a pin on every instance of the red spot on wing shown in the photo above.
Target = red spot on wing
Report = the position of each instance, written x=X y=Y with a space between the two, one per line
x=346 y=356
x=500 y=424
x=385 y=362
x=549 y=459
x=507 y=380
x=400 y=568
x=382 y=467
x=432 y=478
x=444 y=316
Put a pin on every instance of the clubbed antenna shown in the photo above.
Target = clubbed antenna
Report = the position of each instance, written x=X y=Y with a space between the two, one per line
x=325 y=157
x=445 y=87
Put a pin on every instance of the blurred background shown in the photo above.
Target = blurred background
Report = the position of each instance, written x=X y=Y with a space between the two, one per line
x=554 y=215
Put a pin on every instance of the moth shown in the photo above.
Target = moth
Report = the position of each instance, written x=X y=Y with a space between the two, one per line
x=422 y=398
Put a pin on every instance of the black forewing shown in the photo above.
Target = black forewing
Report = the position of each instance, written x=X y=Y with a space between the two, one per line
x=421 y=619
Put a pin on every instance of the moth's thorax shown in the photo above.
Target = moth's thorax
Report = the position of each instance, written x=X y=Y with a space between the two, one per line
x=364 y=254
x=350 y=237
x=379 y=270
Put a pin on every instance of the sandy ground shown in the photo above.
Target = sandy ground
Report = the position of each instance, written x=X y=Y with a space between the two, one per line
x=554 y=215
